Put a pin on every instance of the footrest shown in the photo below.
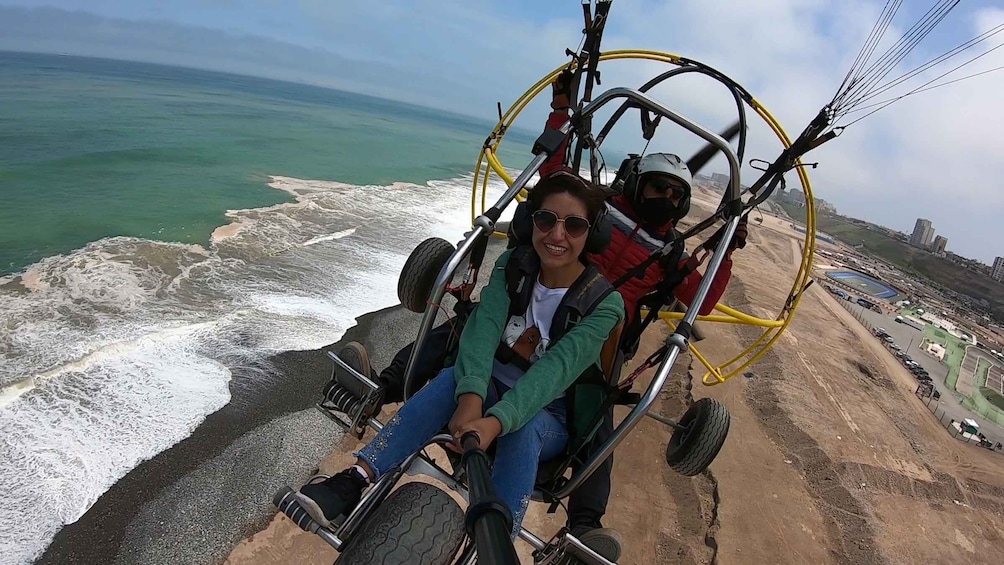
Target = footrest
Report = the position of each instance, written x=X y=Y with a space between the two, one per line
x=566 y=548
x=352 y=394
x=285 y=500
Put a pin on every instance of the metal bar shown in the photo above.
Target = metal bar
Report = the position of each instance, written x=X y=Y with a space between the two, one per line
x=585 y=553
x=709 y=274
x=362 y=378
x=528 y=536
x=677 y=343
x=660 y=418
x=369 y=502
x=695 y=128
x=438 y=291
x=384 y=485
x=483 y=226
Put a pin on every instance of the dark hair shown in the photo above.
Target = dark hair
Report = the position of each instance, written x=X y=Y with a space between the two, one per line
x=578 y=187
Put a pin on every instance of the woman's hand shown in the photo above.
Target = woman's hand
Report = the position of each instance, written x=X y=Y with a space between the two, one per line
x=487 y=429
x=469 y=408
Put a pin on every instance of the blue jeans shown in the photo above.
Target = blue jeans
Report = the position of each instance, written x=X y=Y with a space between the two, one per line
x=517 y=453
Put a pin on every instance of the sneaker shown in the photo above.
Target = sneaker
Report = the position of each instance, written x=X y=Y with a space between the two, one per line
x=327 y=498
x=603 y=541
x=355 y=356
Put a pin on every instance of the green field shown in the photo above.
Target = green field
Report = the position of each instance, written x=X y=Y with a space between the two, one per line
x=955 y=351
x=993 y=397
x=908 y=258
x=982 y=369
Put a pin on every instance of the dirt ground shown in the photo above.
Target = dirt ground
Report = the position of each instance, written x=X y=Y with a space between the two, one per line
x=830 y=457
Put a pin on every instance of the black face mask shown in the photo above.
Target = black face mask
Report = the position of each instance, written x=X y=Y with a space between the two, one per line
x=657 y=211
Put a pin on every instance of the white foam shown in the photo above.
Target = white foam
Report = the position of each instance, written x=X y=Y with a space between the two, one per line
x=328 y=237
x=13 y=391
x=71 y=438
x=118 y=350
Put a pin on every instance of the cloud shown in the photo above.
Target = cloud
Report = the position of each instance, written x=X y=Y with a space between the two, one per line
x=935 y=155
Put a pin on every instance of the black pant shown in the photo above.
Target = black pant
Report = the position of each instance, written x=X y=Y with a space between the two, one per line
x=430 y=362
x=586 y=505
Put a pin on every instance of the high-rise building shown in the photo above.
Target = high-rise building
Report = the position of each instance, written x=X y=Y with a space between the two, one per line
x=923 y=233
x=998 y=271
x=939 y=245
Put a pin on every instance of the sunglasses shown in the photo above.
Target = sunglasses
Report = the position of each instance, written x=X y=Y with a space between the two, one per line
x=663 y=186
x=575 y=226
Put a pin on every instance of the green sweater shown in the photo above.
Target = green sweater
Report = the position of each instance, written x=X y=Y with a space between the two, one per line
x=551 y=375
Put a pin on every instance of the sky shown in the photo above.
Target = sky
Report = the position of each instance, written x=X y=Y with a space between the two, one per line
x=936 y=155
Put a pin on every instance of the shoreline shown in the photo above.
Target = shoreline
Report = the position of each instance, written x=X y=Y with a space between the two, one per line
x=229 y=467
x=196 y=501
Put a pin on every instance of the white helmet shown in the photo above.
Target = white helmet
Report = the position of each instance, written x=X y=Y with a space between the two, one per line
x=662 y=210
x=667 y=164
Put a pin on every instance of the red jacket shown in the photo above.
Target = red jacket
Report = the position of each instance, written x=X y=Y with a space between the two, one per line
x=632 y=242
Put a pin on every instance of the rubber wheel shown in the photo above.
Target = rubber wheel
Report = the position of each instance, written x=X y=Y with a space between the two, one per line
x=418 y=524
x=420 y=271
x=693 y=448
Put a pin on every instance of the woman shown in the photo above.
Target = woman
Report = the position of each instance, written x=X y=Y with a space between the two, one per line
x=523 y=409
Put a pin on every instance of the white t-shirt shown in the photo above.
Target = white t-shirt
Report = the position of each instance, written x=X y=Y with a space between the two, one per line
x=543 y=303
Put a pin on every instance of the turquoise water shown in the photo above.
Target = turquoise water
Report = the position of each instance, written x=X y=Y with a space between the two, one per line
x=122 y=321
x=93 y=148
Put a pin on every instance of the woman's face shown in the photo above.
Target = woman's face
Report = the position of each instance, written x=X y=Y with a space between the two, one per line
x=558 y=236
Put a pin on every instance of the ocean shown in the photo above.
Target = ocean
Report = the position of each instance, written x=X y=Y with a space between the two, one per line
x=165 y=229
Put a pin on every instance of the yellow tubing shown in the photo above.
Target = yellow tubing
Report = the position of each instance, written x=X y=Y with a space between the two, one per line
x=772 y=328
x=745 y=319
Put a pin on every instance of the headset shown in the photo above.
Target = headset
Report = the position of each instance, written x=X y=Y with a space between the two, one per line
x=521 y=227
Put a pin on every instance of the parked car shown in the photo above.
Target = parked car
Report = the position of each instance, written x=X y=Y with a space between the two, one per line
x=894 y=347
x=889 y=339
x=880 y=332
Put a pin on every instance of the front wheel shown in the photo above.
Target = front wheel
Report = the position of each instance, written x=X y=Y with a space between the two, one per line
x=696 y=443
x=419 y=273
x=417 y=524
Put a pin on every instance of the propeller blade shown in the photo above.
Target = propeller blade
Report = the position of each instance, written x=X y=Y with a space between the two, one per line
x=702 y=157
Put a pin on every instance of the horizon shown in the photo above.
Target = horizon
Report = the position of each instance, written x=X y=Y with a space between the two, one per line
x=458 y=59
x=401 y=103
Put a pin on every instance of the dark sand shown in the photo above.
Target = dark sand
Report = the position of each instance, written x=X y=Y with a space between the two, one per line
x=193 y=502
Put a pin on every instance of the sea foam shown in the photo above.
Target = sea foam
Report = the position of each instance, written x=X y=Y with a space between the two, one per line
x=116 y=351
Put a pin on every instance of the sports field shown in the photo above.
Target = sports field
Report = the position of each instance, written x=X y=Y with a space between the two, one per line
x=863 y=283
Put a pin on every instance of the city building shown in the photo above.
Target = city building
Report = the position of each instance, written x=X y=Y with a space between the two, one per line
x=720 y=180
x=796 y=197
x=923 y=233
x=998 y=269
x=939 y=245
x=824 y=206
